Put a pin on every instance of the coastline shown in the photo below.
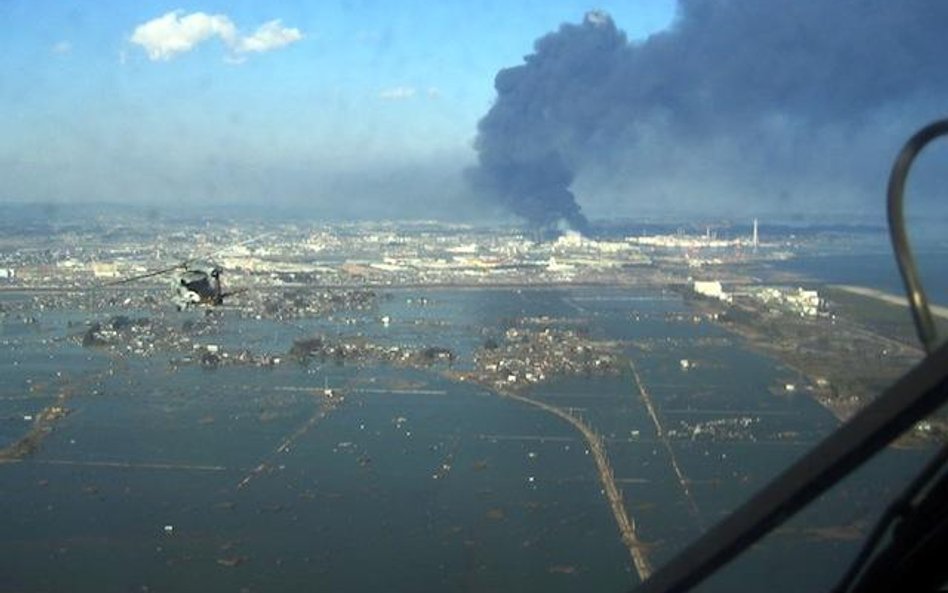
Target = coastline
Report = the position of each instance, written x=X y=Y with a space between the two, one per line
x=845 y=359
x=889 y=298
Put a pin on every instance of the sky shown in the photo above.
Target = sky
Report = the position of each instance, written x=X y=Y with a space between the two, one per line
x=371 y=109
x=361 y=98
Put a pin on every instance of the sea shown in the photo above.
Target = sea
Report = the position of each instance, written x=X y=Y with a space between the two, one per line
x=240 y=478
x=874 y=270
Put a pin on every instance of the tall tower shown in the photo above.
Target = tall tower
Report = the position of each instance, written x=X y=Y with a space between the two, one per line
x=754 y=241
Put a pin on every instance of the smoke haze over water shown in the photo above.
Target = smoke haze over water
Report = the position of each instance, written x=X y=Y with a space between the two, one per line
x=749 y=104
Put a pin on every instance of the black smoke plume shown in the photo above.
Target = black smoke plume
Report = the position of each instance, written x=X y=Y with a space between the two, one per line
x=527 y=140
x=765 y=97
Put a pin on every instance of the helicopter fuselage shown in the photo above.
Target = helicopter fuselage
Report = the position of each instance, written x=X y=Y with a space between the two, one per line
x=198 y=285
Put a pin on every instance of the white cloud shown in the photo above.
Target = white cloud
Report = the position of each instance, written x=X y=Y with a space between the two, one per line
x=368 y=37
x=398 y=93
x=62 y=47
x=270 y=35
x=405 y=92
x=177 y=32
x=235 y=59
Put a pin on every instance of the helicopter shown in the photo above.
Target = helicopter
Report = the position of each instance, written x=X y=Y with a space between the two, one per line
x=197 y=283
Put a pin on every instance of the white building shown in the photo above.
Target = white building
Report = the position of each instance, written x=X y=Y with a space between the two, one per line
x=806 y=302
x=105 y=270
x=712 y=289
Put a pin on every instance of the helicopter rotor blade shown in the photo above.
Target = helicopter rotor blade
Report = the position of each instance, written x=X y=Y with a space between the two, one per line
x=183 y=264
x=146 y=275
x=231 y=293
x=212 y=254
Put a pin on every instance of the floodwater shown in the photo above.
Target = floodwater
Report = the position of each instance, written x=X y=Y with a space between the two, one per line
x=168 y=477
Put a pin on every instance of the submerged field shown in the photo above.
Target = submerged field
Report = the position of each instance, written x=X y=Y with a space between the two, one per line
x=163 y=476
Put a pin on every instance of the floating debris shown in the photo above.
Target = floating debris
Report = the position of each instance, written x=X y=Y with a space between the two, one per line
x=232 y=561
x=496 y=514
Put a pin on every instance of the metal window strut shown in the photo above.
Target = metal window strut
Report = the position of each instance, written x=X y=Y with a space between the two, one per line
x=921 y=314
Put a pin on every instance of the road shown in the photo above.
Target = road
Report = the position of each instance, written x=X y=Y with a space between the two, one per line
x=637 y=549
